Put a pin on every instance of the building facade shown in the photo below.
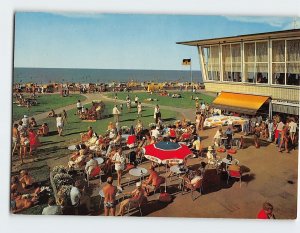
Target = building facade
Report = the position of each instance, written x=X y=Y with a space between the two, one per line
x=265 y=64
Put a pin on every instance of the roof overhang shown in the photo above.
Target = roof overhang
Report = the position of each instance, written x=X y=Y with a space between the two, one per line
x=240 y=38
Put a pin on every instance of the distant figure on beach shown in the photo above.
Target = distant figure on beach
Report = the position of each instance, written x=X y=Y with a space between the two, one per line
x=139 y=109
x=51 y=113
x=116 y=113
x=59 y=124
x=157 y=113
x=79 y=107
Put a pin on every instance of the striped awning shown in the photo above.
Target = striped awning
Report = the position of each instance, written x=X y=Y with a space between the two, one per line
x=241 y=103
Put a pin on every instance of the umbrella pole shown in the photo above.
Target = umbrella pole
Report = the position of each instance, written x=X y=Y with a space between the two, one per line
x=166 y=178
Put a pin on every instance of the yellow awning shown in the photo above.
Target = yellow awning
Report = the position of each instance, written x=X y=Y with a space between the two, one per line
x=243 y=103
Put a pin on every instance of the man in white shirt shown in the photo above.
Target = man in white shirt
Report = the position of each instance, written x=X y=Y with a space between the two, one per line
x=155 y=132
x=52 y=208
x=75 y=194
x=116 y=113
x=293 y=130
x=136 y=99
x=79 y=107
x=25 y=121
x=90 y=165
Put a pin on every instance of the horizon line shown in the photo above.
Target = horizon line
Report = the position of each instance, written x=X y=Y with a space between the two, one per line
x=101 y=68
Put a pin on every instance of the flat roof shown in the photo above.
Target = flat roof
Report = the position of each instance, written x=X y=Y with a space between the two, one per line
x=247 y=37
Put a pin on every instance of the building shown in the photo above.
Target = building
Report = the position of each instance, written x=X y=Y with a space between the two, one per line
x=264 y=64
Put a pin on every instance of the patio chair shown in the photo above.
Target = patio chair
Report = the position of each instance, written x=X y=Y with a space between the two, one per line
x=235 y=175
x=193 y=188
x=137 y=205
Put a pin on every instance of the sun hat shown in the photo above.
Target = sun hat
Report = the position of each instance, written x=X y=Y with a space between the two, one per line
x=25 y=116
x=209 y=148
x=138 y=184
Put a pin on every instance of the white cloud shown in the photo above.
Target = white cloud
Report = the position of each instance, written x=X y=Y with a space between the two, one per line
x=274 y=21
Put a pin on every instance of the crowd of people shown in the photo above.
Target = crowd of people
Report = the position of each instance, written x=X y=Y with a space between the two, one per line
x=118 y=157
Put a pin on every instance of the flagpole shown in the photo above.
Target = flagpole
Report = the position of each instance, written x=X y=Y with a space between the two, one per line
x=191 y=73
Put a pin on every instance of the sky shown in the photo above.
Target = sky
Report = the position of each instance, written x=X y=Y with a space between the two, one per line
x=124 y=41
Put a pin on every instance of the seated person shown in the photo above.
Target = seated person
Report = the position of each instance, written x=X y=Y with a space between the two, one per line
x=196 y=146
x=93 y=140
x=86 y=136
x=210 y=155
x=77 y=159
x=153 y=180
x=218 y=137
x=52 y=113
x=186 y=136
x=32 y=122
x=90 y=165
x=190 y=182
x=234 y=167
x=136 y=197
x=52 y=208
x=26 y=180
x=43 y=130
x=118 y=139
x=21 y=202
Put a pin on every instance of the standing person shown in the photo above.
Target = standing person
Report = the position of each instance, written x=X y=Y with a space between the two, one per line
x=119 y=160
x=278 y=131
x=157 y=113
x=271 y=130
x=198 y=119
x=79 y=107
x=256 y=135
x=15 y=138
x=202 y=119
x=33 y=141
x=266 y=212
x=25 y=121
x=64 y=116
x=197 y=104
x=109 y=191
x=293 y=130
x=128 y=104
x=139 y=109
x=24 y=143
x=284 y=138
x=136 y=99
x=59 y=124
x=116 y=113
x=203 y=108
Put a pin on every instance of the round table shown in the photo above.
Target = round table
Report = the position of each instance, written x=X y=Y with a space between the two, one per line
x=176 y=169
x=99 y=160
x=72 y=147
x=138 y=172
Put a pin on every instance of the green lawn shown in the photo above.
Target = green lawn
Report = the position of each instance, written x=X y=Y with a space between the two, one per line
x=54 y=148
x=184 y=102
x=45 y=104
x=76 y=126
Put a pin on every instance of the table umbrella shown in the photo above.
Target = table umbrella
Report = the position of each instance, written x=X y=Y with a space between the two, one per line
x=167 y=152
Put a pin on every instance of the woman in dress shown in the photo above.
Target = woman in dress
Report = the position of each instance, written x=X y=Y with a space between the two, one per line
x=33 y=141
x=119 y=160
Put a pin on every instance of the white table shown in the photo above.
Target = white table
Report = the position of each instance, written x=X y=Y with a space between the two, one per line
x=72 y=147
x=176 y=169
x=138 y=172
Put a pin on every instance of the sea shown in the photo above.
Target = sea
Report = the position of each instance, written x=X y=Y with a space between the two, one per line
x=47 y=75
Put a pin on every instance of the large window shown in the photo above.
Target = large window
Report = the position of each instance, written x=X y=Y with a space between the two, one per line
x=286 y=62
x=256 y=62
x=212 y=62
x=232 y=62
